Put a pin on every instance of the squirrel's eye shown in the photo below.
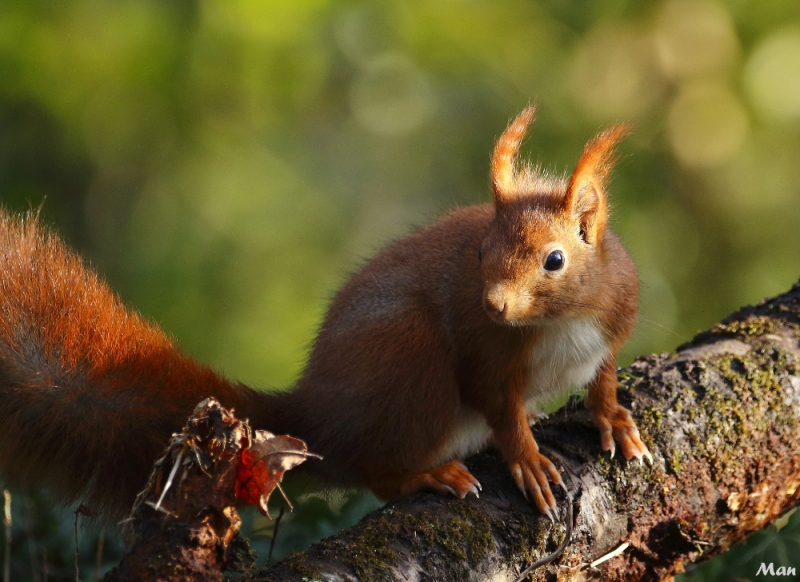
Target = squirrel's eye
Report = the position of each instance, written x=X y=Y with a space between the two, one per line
x=554 y=261
x=480 y=255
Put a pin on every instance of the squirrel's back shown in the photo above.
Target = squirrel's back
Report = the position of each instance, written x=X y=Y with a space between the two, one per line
x=87 y=387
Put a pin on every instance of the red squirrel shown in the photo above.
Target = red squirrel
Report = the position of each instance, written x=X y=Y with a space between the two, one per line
x=442 y=343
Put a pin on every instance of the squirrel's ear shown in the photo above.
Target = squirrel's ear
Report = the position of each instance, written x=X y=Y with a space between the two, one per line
x=585 y=200
x=504 y=158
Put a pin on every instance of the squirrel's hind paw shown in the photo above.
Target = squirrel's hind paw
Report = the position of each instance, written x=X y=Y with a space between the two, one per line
x=452 y=477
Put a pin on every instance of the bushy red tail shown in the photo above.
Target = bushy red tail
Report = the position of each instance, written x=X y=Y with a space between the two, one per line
x=90 y=392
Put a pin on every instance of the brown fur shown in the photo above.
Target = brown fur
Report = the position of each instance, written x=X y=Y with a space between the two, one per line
x=407 y=373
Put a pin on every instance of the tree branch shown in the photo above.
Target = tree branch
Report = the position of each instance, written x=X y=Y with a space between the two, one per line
x=721 y=417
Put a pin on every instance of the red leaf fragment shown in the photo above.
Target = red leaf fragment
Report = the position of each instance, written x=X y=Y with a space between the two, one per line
x=263 y=465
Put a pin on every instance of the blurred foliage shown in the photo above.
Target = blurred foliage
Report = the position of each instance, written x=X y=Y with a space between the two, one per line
x=225 y=163
x=778 y=544
x=43 y=542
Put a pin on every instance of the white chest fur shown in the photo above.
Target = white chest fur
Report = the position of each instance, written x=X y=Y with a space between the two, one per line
x=566 y=355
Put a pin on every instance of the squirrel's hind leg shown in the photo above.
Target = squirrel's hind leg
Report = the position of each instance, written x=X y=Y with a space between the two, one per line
x=451 y=478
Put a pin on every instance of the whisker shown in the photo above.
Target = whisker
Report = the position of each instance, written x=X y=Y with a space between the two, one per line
x=655 y=324
x=642 y=320
x=584 y=305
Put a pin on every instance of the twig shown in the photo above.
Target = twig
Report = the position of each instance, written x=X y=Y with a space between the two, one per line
x=82 y=510
x=612 y=554
x=31 y=538
x=567 y=535
x=171 y=477
x=77 y=570
x=7 y=524
x=285 y=498
x=98 y=561
x=274 y=535
x=550 y=557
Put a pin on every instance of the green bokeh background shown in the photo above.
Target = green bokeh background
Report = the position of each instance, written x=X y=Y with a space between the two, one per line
x=225 y=163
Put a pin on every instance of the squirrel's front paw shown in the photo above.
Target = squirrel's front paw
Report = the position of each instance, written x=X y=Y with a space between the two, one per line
x=531 y=474
x=618 y=425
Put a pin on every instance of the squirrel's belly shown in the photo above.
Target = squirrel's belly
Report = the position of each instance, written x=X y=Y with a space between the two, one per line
x=470 y=435
x=567 y=355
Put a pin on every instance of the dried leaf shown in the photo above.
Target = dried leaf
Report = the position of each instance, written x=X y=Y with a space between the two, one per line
x=263 y=465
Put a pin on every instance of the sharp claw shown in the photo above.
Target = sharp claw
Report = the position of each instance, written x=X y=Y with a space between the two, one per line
x=535 y=416
x=521 y=486
x=613 y=450
x=649 y=458
x=516 y=472
x=550 y=515
x=473 y=489
x=478 y=485
x=451 y=490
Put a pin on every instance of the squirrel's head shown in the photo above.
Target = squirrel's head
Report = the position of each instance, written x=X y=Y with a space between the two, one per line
x=542 y=254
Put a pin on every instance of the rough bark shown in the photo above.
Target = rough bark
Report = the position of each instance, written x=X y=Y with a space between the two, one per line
x=721 y=417
x=184 y=525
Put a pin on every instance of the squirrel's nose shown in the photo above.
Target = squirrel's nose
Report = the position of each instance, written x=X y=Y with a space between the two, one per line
x=494 y=306
x=495 y=302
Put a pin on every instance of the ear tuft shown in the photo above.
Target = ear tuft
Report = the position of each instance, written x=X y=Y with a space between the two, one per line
x=504 y=162
x=586 y=198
